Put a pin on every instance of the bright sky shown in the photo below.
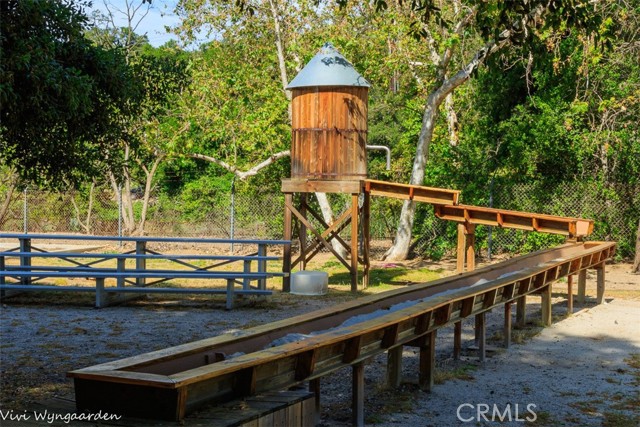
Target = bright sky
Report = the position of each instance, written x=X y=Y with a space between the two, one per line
x=160 y=15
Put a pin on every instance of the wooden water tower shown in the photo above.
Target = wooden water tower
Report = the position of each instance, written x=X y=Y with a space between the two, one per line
x=328 y=155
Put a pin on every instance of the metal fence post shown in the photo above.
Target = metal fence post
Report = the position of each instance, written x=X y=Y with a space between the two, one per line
x=25 y=212
x=120 y=214
x=233 y=211
x=490 y=234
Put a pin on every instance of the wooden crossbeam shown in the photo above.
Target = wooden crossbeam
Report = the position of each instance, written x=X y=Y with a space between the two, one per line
x=478 y=215
x=331 y=231
x=318 y=235
x=411 y=192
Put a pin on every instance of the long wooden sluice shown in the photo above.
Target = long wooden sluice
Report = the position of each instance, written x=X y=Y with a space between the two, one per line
x=174 y=382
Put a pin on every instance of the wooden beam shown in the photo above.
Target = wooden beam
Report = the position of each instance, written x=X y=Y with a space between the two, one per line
x=479 y=215
x=314 y=387
x=357 y=395
x=470 y=242
x=351 y=349
x=570 y=294
x=394 y=366
x=366 y=237
x=286 y=253
x=390 y=336
x=423 y=323
x=305 y=363
x=320 y=186
x=317 y=234
x=546 y=305
x=482 y=336
x=582 y=285
x=440 y=196
x=600 y=280
x=507 y=325
x=354 y=242
x=333 y=231
x=457 y=340
x=521 y=311
x=461 y=252
x=426 y=377
x=303 y=231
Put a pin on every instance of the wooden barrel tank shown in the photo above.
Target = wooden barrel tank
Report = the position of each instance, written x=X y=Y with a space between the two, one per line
x=329 y=133
x=329 y=120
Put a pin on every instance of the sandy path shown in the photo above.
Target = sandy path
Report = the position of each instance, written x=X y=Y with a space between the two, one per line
x=575 y=372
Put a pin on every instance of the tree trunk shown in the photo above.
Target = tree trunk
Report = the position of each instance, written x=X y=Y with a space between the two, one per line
x=400 y=249
x=150 y=174
x=86 y=225
x=636 y=262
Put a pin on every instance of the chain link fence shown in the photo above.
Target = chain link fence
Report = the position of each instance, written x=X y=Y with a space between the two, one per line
x=104 y=211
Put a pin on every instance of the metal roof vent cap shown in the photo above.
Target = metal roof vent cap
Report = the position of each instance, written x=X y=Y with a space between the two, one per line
x=328 y=68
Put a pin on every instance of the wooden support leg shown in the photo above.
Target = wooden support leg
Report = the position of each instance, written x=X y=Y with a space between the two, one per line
x=426 y=377
x=461 y=249
x=570 y=294
x=507 y=325
x=457 y=340
x=286 y=255
x=482 y=336
x=546 y=305
x=357 y=395
x=394 y=367
x=582 y=286
x=521 y=311
x=600 y=283
x=470 y=244
x=354 y=242
x=366 y=237
x=314 y=387
x=303 y=232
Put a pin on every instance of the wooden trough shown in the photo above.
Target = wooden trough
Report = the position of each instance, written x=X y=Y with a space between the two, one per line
x=173 y=382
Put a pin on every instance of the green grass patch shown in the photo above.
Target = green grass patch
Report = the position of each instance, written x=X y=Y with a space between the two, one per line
x=463 y=372
x=618 y=419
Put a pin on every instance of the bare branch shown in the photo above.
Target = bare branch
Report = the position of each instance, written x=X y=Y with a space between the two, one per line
x=242 y=174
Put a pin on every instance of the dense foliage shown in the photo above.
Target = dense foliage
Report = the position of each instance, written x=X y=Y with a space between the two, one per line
x=62 y=98
x=554 y=111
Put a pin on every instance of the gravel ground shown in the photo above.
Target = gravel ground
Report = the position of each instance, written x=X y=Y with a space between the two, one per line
x=580 y=371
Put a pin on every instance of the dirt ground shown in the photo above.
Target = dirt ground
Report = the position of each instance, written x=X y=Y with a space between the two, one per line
x=583 y=370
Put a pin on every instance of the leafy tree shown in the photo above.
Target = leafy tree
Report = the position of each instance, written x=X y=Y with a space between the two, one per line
x=61 y=96
x=488 y=27
x=160 y=74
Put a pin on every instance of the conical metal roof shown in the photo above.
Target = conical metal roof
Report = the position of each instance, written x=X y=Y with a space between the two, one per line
x=328 y=68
